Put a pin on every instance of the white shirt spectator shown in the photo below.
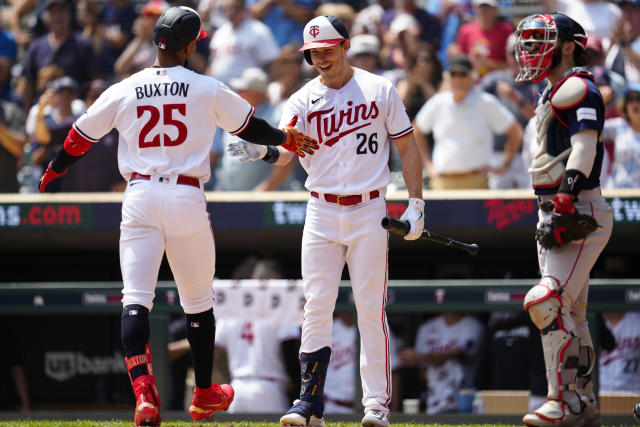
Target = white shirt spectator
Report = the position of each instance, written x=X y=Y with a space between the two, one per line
x=233 y=50
x=463 y=132
x=596 y=17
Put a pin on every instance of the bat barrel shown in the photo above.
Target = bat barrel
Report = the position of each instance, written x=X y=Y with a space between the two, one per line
x=395 y=225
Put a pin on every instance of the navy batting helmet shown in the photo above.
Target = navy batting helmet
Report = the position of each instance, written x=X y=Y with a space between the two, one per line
x=176 y=28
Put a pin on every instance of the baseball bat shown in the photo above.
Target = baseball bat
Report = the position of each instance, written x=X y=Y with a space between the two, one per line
x=402 y=227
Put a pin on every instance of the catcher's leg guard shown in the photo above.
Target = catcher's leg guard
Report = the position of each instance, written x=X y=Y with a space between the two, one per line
x=144 y=387
x=584 y=385
x=549 y=311
x=309 y=409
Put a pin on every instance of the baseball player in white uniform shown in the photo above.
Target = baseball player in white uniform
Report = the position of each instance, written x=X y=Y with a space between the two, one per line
x=353 y=115
x=166 y=116
x=254 y=354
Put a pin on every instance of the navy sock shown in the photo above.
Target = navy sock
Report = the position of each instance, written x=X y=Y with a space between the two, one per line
x=201 y=332
x=134 y=332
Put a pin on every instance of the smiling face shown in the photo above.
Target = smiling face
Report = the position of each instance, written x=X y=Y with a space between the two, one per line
x=331 y=62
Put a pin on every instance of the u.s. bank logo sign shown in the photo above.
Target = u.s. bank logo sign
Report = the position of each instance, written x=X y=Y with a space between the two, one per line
x=64 y=365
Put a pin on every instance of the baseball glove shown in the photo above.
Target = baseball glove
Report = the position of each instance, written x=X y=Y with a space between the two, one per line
x=563 y=228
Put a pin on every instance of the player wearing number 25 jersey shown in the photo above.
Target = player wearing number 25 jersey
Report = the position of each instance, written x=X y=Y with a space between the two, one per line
x=166 y=116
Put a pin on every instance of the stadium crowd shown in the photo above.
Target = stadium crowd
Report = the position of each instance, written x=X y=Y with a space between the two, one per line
x=57 y=56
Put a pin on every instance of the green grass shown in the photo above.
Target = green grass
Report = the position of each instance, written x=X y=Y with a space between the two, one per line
x=87 y=423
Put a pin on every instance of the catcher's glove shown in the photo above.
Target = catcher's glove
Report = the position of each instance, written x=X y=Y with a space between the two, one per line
x=563 y=228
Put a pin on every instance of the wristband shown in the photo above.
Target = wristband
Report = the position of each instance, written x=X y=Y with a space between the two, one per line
x=272 y=154
x=572 y=182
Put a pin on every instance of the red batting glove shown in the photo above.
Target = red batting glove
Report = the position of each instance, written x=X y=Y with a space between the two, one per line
x=563 y=204
x=296 y=141
x=49 y=175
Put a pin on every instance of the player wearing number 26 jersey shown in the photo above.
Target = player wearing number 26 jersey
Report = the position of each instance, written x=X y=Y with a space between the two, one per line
x=166 y=116
x=355 y=116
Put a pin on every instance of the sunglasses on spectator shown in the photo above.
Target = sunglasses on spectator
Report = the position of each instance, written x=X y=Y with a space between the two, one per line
x=633 y=97
x=458 y=74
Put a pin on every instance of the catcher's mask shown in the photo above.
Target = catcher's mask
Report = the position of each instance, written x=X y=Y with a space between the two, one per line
x=537 y=39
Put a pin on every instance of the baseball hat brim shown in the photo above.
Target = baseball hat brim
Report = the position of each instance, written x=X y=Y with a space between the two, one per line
x=201 y=35
x=321 y=43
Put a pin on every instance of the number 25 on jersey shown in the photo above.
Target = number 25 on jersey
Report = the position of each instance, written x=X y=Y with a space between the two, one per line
x=153 y=118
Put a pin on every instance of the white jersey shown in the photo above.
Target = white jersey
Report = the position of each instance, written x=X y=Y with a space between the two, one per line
x=354 y=148
x=166 y=118
x=620 y=368
x=445 y=380
x=253 y=347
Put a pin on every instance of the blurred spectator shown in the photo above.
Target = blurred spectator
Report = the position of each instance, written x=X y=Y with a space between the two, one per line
x=484 y=40
x=108 y=29
x=231 y=175
x=53 y=124
x=597 y=17
x=400 y=42
x=620 y=367
x=12 y=140
x=345 y=11
x=353 y=5
x=140 y=52
x=429 y=27
x=518 y=98
x=369 y=19
x=8 y=54
x=423 y=81
x=340 y=385
x=452 y=14
x=513 y=358
x=448 y=348
x=241 y=43
x=285 y=18
x=286 y=76
x=364 y=53
x=460 y=124
x=98 y=171
x=23 y=15
x=60 y=46
x=625 y=133
x=212 y=15
x=623 y=53
x=14 y=390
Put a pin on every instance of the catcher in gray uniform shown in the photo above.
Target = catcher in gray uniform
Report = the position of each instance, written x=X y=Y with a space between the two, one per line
x=575 y=222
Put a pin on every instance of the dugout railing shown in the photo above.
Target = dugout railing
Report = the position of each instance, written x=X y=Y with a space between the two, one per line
x=83 y=306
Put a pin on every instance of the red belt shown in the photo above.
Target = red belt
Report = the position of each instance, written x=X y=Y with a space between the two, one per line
x=182 y=179
x=346 y=200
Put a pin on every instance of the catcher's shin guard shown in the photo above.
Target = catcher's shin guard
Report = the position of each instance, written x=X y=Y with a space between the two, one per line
x=549 y=311
x=144 y=387
x=584 y=385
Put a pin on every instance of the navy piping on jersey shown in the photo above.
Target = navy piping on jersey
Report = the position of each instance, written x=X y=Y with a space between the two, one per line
x=401 y=133
x=84 y=135
x=245 y=123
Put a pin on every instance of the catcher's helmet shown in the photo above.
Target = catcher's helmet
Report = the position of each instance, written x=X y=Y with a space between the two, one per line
x=323 y=31
x=176 y=28
x=537 y=39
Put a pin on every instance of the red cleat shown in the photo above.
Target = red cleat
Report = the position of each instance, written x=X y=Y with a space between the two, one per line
x=206 y=401
x=147 y=401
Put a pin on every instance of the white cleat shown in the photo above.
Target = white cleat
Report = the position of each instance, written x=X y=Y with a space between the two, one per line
x=590 y=412
x=553 y=414
x=295 y=419
x=375 y=418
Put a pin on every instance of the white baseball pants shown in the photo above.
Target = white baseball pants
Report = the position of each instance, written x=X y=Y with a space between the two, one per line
x=156 y=217
x=332 y=235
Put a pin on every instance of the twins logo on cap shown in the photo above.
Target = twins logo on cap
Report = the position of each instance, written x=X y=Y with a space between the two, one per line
x=322 y=31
